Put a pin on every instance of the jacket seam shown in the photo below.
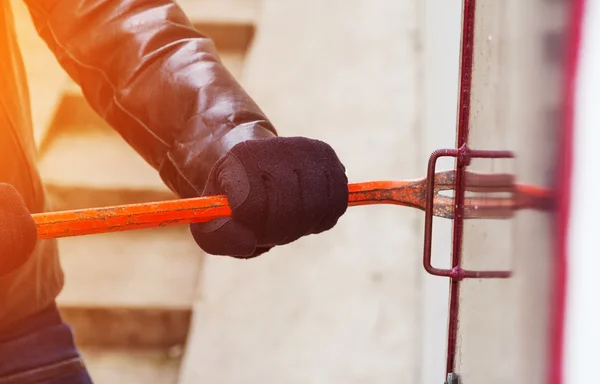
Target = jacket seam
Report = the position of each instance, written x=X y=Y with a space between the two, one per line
x=180 y=173
x=45 y=13
x=107 y=79
x=119 y=105
x=115 y=98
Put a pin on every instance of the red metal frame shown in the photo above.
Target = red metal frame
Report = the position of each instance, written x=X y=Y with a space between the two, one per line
x=463 y=156
x=466 y=69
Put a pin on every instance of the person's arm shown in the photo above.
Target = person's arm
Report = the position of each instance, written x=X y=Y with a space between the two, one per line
x=155 y=79
x=160 y=83
x=18 y=233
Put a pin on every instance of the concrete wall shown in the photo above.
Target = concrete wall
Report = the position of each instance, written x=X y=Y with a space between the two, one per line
x=343 y=307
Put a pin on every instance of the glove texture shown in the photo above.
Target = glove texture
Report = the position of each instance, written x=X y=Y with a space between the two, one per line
x=18 y=234
x=279 y=189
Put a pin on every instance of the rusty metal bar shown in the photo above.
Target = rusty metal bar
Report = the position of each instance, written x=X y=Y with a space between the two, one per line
x=409 y=193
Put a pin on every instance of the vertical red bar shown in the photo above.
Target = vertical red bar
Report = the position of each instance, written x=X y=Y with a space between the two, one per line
x=462 y=161
x=556 y=356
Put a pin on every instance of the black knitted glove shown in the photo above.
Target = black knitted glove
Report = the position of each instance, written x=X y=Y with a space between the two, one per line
x=279 y=189
x=18 y=234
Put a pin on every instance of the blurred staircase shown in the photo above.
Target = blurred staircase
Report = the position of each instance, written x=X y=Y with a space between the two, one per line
x=127 y=295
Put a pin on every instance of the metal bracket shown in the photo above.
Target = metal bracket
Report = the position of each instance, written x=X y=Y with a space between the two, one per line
x=463 y=159
x=521 y=197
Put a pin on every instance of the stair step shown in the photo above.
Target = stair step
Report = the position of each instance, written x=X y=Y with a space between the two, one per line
x=91 y=165
x=221 y=11
x=128 y=326
x=130 y=366
x=228 y=37
x=131 y=288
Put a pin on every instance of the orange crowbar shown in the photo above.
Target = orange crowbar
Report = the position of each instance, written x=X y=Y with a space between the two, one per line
x=410 y=193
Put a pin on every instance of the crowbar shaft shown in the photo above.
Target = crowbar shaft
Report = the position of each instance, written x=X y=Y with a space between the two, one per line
x=409 y=193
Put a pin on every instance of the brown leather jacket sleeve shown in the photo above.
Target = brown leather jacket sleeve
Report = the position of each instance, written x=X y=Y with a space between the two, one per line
x=155 y=79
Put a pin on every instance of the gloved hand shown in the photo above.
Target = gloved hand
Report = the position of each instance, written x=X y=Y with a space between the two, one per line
x=18 y=233
x=279 y=189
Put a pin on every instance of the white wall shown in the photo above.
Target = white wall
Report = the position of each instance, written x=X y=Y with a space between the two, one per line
x=441 y=33
x=582 y=334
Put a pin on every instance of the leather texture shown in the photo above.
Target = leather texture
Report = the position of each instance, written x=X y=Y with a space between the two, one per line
x=156 y=80
x=153 y=77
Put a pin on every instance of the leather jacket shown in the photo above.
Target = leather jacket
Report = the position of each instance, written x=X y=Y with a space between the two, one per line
x=151 y=76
